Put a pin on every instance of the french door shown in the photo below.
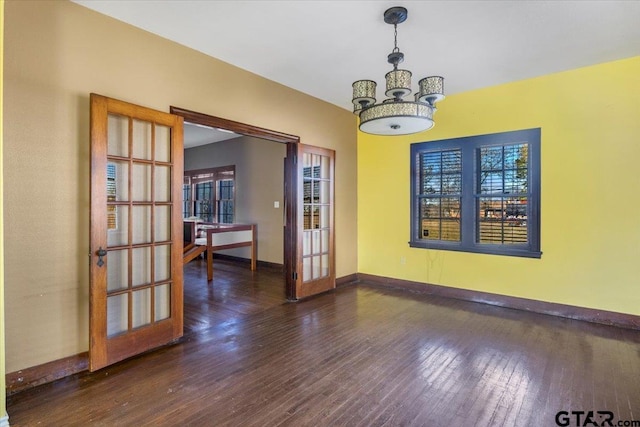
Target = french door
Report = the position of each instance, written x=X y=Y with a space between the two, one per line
x=136 y=284
x=309 y=235
x=309 y=198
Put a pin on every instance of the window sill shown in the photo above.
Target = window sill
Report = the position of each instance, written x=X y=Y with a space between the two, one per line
x=479 y=249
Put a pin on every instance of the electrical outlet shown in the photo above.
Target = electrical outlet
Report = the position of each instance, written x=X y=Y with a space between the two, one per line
x=403 y=260
x=276 y=204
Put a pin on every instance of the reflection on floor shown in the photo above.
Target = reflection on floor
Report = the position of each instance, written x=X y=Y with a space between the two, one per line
x=235 y=291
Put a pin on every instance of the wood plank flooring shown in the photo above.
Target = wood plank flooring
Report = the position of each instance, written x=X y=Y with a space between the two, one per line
x=237 y=291
x=362 y=355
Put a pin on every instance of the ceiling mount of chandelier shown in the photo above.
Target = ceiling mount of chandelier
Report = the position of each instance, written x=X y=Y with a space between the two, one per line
x=394 y=115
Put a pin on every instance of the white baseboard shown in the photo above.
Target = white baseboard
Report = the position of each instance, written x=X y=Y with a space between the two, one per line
x=4 y=421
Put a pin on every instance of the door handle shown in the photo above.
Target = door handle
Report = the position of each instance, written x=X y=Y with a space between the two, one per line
x=101 y=252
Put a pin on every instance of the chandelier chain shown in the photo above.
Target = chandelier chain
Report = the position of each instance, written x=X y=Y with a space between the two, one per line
x=395 y=38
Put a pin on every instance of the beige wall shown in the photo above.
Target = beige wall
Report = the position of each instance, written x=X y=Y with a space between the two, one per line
x=3 y=405
x=259 y=183
x=56 y=53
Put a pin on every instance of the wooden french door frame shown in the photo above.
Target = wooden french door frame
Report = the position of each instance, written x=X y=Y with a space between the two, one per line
x=313 y=228
x=292 y=190
x=136 y=288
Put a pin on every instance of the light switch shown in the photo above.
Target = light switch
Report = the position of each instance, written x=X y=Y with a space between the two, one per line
x=276 y=204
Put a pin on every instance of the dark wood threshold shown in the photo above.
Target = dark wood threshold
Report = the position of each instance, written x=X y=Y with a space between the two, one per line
x=46 y=373
x=604 y=317
x=341 y=282
x=232 y=258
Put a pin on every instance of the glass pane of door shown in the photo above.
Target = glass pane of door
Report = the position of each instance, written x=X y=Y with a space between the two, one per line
x=312 y=192
x=136 y=288
x=316 y=208
x=136 y=269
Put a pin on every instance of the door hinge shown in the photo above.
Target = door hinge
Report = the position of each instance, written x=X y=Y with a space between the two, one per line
x=295 y=275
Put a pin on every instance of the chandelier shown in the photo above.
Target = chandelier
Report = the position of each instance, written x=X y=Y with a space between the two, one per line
x=395 y=116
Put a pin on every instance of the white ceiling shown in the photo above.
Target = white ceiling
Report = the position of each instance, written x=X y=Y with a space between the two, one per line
x=196 y=135
x=321 y=47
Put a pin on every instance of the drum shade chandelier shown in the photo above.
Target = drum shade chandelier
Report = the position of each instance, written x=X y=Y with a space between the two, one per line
x=395 y=116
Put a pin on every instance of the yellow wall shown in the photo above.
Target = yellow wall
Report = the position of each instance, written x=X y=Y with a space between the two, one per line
x=590 y=238
x=58 y=52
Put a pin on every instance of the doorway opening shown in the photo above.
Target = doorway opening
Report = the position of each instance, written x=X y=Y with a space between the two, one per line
x=309 y=214
x=290 y=211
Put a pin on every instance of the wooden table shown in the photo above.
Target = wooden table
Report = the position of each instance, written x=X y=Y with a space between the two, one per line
x=227 y=236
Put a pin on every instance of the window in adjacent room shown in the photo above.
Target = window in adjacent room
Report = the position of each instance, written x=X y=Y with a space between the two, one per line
x=477 y=194
x=209 y=194
x=224 y=200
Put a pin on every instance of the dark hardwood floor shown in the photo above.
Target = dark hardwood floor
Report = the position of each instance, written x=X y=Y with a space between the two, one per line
x=362 y=355
x=237 y=291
